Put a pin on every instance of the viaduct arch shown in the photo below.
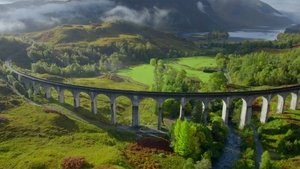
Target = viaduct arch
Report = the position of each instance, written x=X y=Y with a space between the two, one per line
x=137 y=96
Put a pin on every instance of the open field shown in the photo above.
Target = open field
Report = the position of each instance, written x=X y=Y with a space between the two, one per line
x=192 y=65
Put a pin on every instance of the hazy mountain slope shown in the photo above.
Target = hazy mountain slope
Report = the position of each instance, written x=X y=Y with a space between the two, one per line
x=248 y=13
x=169 y=15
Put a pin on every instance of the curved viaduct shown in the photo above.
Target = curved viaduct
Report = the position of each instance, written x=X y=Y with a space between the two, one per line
x=137 y=96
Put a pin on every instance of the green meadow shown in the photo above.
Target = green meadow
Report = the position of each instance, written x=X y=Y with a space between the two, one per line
x=192 y=65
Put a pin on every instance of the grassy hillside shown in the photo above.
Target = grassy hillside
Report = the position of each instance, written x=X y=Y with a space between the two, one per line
x=43 y=137
x=108 y=34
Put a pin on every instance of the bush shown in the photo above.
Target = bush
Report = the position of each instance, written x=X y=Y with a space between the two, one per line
x=18 y=86
x=265 y=161
x=3 y=120
x=74 y=163
x=186 y=139
x=189 y=164
x=140 y=154
x=205 y=163
x=247 y=160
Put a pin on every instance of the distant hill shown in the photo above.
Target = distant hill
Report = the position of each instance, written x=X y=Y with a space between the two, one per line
x=114 y=44
x=110 y=34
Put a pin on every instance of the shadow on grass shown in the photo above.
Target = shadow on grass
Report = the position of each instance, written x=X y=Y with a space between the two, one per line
x=99 y=120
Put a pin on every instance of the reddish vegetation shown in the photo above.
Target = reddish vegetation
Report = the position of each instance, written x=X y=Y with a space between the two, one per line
x=3 y=120
x=46 y=110
x=155 y=143
x=140 y=154
x=74 y=163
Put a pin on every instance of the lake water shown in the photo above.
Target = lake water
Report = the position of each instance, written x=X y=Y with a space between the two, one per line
x=245 y=34
x=255 y=34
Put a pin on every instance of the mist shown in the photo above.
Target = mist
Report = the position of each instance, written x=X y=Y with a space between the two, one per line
x=32 y=15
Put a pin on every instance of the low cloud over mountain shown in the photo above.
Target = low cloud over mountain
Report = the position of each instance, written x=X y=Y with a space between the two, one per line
x=289 y=7
x=171 y=15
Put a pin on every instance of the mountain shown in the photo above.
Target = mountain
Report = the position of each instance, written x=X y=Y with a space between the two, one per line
x=248 y=13
x=167 y=15
x=207 y=15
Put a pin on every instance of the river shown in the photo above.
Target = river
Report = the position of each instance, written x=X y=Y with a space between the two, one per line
x=231 y=151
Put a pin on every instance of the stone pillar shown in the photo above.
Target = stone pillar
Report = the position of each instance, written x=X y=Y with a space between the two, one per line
x=265 y=109
x=205 y=112
x=182 y=105
x=246 y=113
x=294 y=101
x=280 y=104
x=93 y=103
x=19 y=77
x=113 y=111
x=225 y=110
x=48 y=92
x=26 y=84
x=135 y=112
x=61 y=96
x=76 y=99
x=34 y=88
x=159 y=113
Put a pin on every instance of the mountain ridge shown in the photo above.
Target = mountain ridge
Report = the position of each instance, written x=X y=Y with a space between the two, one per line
x=166 y=15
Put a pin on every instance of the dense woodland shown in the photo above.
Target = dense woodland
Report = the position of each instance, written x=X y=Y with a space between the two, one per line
x=263 y=68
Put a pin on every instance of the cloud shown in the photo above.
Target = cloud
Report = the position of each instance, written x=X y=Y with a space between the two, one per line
x=153 y=16
x=11 y=26
x=42 y=14
x=28 y=15
x=201 y=7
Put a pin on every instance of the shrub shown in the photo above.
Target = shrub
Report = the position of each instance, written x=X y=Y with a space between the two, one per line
x=189 y=164
x=186 y=141
x=205 y=163
x=3 y=120
x=74 y=163
x=140 y=154
x=265 y=161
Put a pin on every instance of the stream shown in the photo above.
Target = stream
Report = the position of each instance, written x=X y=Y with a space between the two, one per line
x=258 y=147
x=232 y=150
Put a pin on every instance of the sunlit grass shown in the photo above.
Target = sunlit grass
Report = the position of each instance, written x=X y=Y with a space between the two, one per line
x=34 y=138
x=145 y=73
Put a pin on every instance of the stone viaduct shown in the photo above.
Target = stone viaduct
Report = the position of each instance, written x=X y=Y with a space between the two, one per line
x=137 y=96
